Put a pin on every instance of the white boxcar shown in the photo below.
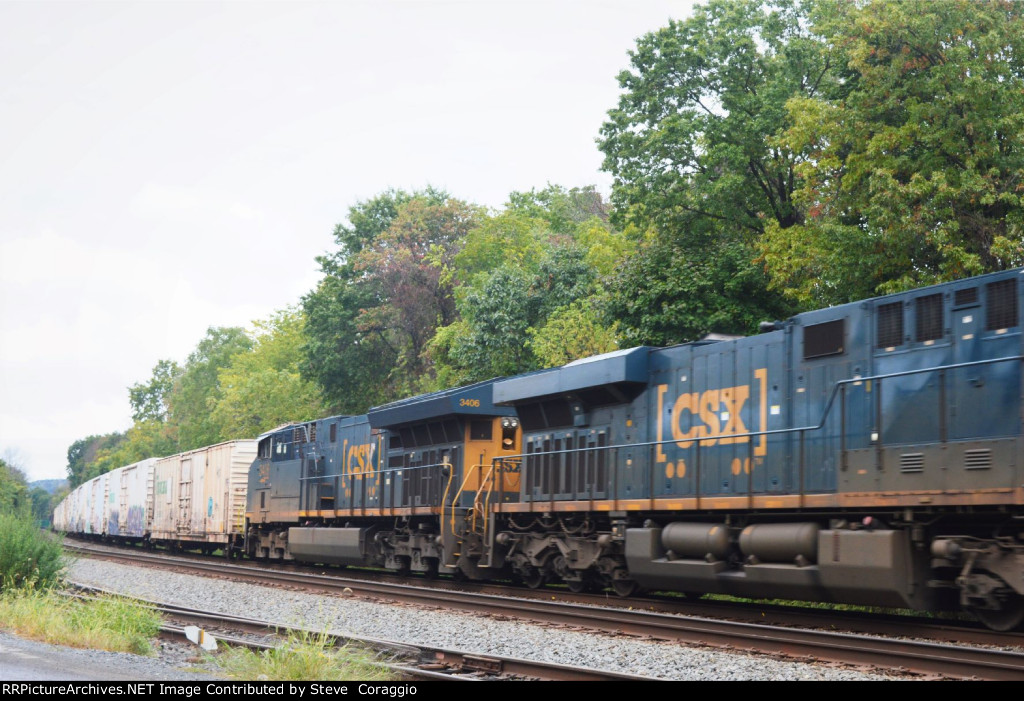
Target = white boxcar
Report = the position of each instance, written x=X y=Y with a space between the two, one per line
x=135 y=498
x=60 y=515
x=129 y=494
x=95 y=507
x=199 y=496
x=73 y=511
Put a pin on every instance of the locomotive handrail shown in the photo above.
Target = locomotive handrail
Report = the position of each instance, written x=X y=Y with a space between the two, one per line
x=485 y=509
x=376 y=474
x=837 y=387
x=455 y=499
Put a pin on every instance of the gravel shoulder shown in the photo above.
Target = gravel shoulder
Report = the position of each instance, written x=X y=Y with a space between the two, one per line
x=29 y=660
x=451 y=629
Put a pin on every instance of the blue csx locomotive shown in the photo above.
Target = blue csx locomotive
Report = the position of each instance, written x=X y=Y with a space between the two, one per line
x=865 y=453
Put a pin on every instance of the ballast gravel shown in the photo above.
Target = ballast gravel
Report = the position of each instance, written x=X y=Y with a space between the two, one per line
x=451 y=629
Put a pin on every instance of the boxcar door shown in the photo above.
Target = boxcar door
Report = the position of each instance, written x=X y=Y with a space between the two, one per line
x=184 y=519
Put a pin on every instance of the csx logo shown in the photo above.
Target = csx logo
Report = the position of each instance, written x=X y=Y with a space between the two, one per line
x=359 y=458
x=714 y=416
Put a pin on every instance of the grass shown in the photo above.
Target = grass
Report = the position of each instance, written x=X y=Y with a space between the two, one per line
x=305 y=656
x=107 y=623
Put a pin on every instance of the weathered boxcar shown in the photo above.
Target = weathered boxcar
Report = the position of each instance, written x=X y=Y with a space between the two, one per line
x=129 y=500
x=61 y=515
x=199 y=496
x=95 y=504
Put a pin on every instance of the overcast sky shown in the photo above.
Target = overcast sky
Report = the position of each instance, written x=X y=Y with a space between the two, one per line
x=170 y=166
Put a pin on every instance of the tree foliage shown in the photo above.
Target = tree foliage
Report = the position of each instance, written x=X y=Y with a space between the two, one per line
x=264 y=388
x=665 y=294
x=197 y=390
x=546 y=250
x=576 y=331
x=14 y=492
x=689 y=146
x=349 y=351
x=82 y=455
x=913 y=174
x=149 y=400
x=410 y=264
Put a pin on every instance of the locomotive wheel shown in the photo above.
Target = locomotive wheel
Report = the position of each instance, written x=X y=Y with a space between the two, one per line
x=404 y=566
x=535 y=578
x=1009 y=617
x=433 y=564
x=576 y=586
x=625 y=587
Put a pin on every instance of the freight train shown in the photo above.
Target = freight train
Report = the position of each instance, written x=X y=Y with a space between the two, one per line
x=866 y=453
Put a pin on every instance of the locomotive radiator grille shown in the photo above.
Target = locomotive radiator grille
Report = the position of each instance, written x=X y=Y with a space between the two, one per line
x=912 y=462
x=978 y=459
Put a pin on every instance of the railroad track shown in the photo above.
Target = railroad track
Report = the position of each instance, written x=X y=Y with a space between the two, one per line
x=413 y=662
x=959 y=629
x=923 y=658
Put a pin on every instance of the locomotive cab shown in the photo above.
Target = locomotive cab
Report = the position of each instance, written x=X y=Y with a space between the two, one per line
x=440 y=478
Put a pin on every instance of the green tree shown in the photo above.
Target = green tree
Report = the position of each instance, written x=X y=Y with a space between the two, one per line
x=498 y=312
x=490 y=338
x=145 y=439
x=83 y=452
x=411 y=264
x=507 y=239
x=912 y=174
x=149 y=400
x=14 y=492
x=545 y=250
x=690 y=149
x=562 y=210
x=351 y=365
x=352 y=360
x=264 y=388
x=573 y=332
x=666 y=294
x=535 y=222
x=198 y=389
x=41 y=505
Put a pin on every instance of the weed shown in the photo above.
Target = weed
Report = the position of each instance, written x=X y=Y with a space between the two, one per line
x=28 y=557
x=305 y=656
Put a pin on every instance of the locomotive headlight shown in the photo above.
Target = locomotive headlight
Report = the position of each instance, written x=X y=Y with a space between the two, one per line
x=508 y=432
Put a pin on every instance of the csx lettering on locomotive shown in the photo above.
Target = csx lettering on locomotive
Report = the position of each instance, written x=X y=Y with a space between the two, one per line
x=713 y=416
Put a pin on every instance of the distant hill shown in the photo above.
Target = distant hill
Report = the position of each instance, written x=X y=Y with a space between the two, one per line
x=50 y=486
